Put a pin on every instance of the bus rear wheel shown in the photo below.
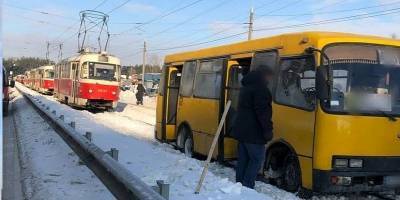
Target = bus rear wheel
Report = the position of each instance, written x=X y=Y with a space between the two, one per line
x=291 y=176
x=188 y=145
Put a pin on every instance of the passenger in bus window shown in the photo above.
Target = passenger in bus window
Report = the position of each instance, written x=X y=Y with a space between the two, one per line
x=140 y=92
x=253 y=125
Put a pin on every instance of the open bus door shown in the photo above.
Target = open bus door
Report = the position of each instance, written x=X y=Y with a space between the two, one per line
x=170 y=103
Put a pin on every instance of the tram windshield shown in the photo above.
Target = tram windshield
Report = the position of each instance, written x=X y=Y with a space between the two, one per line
x=102 y=71
x=49 y=73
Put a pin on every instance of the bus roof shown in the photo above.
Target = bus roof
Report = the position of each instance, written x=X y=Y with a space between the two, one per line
x=276 y=42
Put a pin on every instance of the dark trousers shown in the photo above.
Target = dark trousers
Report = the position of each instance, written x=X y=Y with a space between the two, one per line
x=250 y=160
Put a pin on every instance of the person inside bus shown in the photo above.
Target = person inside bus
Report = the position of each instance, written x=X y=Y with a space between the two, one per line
x=253 y=124
x=140 y=92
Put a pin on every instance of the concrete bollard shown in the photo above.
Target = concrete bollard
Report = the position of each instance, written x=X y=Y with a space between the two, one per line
x=47 y=108
x=54 y=112
x=88 y=135
x=162 y=188
x=72 y=124
x=113 y=153
x=62 y=117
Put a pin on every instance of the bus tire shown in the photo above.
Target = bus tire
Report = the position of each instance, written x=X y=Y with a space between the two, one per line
x=180 y=138
x=188 y=144
x=292 y=175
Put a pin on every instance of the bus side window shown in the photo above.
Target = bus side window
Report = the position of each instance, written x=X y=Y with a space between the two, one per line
x=265 y=60
x=187 y=80
x=208 y=79
x=296 y=83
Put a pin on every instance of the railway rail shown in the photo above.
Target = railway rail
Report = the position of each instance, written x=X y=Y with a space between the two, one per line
x=119 y=181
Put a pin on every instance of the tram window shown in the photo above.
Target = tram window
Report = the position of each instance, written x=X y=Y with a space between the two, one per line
x=296 y=83
x=187 y=80
x=208 y=79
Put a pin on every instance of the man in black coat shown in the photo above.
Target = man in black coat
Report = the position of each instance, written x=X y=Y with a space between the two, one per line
x=253 y=125
x=140 y=92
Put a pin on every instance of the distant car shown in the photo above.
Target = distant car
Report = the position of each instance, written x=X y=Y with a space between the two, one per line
x=6 y=96
x=125 y=87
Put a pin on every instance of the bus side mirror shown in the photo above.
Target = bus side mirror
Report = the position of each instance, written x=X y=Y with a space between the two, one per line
x=12 y=83
x=323 y=83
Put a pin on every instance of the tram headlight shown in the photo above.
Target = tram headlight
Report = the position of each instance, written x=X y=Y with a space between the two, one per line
x=356 y=163
x=90 y=91
x=113 y=92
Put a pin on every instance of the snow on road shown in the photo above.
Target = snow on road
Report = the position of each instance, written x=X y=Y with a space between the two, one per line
x=50 y=169
x=131 y=130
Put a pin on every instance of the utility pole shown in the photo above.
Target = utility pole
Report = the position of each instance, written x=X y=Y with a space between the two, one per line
x=144 y=60
x=47 y=51
x=60 y=55
x=251 y=21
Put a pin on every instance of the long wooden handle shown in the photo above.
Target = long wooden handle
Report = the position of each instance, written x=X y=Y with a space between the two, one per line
x=214 y=143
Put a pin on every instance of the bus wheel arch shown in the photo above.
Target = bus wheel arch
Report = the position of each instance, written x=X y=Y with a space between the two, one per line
x=281 y=165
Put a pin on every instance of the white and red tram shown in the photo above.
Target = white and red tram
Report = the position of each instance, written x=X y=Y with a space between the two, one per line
x=89 y=80
x=31 y=78
x=44 y=82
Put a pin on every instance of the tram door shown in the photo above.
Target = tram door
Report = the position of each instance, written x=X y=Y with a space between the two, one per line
x=173 y=83
x=75 y=78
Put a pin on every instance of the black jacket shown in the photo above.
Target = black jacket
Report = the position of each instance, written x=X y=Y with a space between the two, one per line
x=253 y=123
x=140 y=89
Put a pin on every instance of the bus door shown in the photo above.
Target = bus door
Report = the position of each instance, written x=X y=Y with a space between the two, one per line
x=234 y=76
x=172 y=93
x=75 y=78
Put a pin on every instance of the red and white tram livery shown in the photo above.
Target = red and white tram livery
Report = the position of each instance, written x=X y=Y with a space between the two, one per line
x=89 y=80
x=45 y=79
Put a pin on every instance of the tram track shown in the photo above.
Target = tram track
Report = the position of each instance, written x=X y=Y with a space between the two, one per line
x=119 y=181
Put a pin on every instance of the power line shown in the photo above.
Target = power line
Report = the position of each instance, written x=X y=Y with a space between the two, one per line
x=118 y=7
x=335 y=20
x=208 y=10
x=38 y=11
x=335 y=11
x=329 y=21
x=100 y=4
x=282 y=7
x=229 y=28
x=161 y=16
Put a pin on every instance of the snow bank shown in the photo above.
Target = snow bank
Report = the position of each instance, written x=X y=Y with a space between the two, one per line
x=50 y=169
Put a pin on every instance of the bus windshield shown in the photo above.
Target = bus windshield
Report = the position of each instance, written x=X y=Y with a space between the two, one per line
x=366 y=79
x=102 y=71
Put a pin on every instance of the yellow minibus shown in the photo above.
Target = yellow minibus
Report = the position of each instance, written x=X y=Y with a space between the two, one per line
x=336 y=107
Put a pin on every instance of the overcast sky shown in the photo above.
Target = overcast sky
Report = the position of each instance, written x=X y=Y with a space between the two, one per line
x=179 y=25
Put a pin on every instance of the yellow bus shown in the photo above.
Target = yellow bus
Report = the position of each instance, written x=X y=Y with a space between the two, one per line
x=336 y=103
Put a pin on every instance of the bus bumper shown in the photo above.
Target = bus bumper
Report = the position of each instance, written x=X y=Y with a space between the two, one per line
x=352 y=181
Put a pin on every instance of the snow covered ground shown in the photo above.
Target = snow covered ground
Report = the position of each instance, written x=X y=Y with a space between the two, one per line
x=50 y=169
x=131 y=130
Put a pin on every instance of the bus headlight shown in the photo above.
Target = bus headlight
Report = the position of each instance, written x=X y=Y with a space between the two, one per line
x=341 y=163
x=356 y=163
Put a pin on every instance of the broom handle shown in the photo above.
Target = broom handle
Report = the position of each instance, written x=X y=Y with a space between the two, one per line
x=214 y=143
